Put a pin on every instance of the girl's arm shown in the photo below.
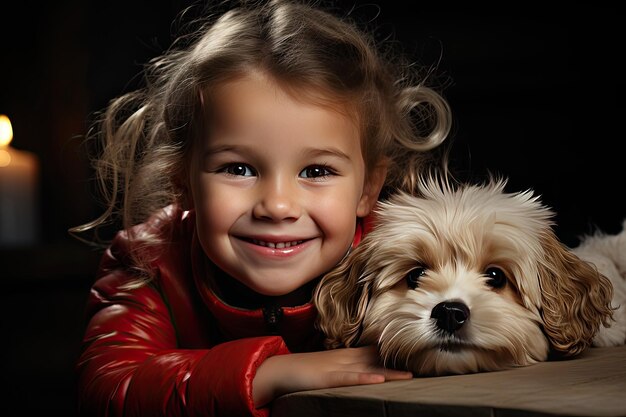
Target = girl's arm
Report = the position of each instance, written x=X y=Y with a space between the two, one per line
x=131 y=365
x=282 y=374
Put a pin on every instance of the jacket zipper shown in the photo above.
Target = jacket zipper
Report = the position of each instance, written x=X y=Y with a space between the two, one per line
x=272 y=315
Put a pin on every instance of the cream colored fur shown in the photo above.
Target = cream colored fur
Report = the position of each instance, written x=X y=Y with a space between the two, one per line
x=460 y=240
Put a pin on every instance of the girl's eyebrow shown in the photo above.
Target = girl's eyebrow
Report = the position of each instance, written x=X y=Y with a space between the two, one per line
x=319 y=152
x=213 y=151
x=210 y=150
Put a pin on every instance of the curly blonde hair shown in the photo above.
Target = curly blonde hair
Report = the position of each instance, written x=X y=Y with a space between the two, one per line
x=145 y=137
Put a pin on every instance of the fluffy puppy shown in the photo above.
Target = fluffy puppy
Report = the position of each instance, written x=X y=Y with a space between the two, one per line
x=469 y=278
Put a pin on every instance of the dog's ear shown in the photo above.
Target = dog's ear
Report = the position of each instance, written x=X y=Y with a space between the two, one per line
x=341 y=299
x=576 y=298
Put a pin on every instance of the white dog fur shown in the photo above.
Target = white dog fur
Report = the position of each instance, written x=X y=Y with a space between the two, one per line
x=470 y=278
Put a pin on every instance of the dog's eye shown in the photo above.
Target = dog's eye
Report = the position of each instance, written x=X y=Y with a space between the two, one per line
x=412 y=278
x=496 y=278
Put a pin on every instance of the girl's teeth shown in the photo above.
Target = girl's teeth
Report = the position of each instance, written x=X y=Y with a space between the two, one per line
x=279 y=245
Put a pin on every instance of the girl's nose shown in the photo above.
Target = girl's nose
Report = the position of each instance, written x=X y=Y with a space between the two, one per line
x=278 y=201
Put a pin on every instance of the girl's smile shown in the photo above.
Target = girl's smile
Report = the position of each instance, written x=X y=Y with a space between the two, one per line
x=275 y=248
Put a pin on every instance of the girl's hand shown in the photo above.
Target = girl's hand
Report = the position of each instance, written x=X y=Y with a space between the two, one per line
x=282 y=374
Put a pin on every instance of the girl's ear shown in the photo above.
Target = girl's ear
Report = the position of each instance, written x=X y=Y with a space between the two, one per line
x=371 y=189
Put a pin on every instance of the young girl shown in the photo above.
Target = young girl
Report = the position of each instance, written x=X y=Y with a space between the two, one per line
x=243 y=172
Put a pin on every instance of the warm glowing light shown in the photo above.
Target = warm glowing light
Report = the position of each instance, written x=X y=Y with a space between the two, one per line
x=6 y=131
x=5 y=158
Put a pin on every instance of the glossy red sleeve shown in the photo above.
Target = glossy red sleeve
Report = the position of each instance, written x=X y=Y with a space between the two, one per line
x=131 y=365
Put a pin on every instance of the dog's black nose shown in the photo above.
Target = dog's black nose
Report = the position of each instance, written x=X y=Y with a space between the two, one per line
x=450 y=315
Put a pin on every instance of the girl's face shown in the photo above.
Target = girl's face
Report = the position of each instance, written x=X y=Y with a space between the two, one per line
x=277 y=185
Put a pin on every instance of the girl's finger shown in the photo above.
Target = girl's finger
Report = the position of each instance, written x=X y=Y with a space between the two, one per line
x=356 y=378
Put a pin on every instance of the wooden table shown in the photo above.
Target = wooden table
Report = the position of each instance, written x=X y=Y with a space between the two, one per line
x=593 y=384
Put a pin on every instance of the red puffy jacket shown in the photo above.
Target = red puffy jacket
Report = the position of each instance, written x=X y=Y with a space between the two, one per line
x=172 y=347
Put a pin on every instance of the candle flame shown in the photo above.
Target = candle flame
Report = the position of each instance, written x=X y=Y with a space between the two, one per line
x=6 y=131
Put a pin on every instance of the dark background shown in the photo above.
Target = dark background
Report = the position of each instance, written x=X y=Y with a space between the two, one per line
x=536 y=96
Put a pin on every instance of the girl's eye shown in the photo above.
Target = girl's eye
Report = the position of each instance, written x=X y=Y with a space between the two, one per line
x=240 y=170
x=496 y=278
x=316 y=171
x=413 y=277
